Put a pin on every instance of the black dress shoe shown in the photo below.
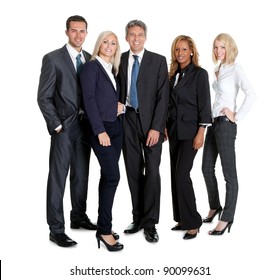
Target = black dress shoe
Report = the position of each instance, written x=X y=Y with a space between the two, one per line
x=151 y=234
x=177 y=227
x=132 y=228
x=62 y=240
x=190 y=236
x=86 y=224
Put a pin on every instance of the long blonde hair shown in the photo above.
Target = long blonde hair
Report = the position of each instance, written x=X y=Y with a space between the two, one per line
x=115 y=60
x=174 y=63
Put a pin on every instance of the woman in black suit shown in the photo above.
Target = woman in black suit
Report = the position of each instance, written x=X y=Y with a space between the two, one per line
x=189 y=114
x=100 y=95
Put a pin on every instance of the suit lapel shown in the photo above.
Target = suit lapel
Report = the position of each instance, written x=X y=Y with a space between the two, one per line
x=144 y=64
x=105 y=74
x=124 y=64
x=87 y=56
x=189 y=73
x=68 y=61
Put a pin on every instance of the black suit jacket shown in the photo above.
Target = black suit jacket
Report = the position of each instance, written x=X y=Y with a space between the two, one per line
x=152 y=89
x=189 y=104
x=99 y=95
x=59 y=92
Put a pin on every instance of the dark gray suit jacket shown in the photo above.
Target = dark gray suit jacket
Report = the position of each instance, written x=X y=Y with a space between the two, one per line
x=152 y=89
x=59 y=92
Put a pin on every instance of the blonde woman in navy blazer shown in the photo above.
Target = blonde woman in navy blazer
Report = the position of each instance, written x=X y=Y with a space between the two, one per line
x=100 y=95
x=188 y=115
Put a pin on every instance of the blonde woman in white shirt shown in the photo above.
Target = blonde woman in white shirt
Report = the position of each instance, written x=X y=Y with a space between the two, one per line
x=220 y=138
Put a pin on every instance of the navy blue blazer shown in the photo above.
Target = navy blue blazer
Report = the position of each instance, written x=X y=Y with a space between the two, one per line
x=99 y=96
x=189 y=104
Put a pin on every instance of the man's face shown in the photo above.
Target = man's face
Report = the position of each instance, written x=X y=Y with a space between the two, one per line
x=77 y=34
x=136 y=39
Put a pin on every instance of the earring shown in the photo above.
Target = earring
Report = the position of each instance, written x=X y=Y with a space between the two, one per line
x=191 y=54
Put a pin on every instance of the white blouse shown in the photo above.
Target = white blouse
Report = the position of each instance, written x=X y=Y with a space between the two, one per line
x=231 y=78
x=108 y=68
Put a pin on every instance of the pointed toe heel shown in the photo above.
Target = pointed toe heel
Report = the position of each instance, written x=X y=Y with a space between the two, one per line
x=210 y=219
x=221 y=232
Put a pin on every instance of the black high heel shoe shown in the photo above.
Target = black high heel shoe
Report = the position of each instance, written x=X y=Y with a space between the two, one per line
x=210 y=219
x=190 y=236
x=177 y=227
x=220 y=232
x=115 y=235
x=112 y=248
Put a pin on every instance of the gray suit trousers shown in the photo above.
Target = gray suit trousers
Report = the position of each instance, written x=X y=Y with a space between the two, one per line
x=220 y=140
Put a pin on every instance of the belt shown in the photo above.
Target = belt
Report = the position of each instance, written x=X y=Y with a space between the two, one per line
x=220 y=119
x=128 y=108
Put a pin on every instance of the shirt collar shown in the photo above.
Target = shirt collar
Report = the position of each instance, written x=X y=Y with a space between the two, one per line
x=72 y=51
x=140 y=55
x=106 y=65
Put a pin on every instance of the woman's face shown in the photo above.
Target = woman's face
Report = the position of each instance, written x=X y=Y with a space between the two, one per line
x=220 y=51
x=183 y=53
x=108 y=47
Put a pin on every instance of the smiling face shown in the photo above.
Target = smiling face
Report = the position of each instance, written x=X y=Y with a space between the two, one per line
x=220 y=51
x=108 y=47
x=76 y=33
x=136 y=39
x=183 y=53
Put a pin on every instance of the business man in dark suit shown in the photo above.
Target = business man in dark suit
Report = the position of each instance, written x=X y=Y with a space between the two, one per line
x=59 y=99
x=145 y=95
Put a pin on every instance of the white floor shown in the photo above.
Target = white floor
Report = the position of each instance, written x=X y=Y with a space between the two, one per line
x=242 y=252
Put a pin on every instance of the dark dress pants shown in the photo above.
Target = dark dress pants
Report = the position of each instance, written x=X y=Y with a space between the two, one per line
x=142 y=168
x=69 y=149
x=220 y=140
x=108 y=158
x=182 y=156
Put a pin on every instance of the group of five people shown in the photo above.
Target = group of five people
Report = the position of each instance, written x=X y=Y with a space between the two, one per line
x=129 y=102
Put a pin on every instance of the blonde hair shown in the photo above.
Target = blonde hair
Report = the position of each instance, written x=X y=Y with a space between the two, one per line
x=230 y=47
x=174 y=63
x=115 y=60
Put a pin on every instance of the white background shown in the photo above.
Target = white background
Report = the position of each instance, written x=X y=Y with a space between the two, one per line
x=29 y=29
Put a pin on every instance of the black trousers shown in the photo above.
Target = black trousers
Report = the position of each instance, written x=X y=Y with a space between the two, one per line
x=220 y=140
x=182 y=156
x=108 y=158
x=142 y=168
x=69 y=149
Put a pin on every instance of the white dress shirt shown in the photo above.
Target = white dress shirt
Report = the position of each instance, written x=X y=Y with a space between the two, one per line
x=108 y=68
x=73 y=54
x=230 y=79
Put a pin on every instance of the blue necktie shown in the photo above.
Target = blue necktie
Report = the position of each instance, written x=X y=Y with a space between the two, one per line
x=133 y=88
x=79 y=63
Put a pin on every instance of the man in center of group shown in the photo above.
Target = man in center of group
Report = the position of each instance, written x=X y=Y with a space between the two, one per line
x=144 y=84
